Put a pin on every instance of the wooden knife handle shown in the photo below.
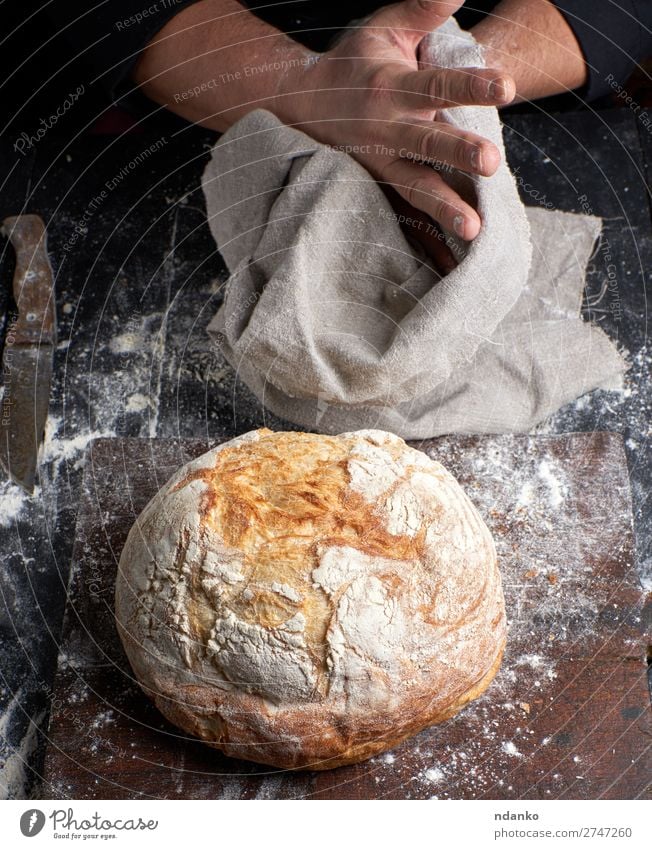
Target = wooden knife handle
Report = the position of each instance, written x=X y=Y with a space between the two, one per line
x=33 y=281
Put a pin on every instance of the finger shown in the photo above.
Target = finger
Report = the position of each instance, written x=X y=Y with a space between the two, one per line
x=439 y=143
x=420 y=228
x=424 y=189
x=416 y=18
x=444 y=88
x=433 y=242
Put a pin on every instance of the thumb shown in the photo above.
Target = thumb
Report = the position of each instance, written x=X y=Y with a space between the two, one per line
x=417 y=18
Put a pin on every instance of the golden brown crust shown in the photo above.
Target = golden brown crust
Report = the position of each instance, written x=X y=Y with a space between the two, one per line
x=329 y=750
x=319 y=599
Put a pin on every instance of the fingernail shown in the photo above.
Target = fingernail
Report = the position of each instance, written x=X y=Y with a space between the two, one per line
x=476 y=159
x=458 y=225
x=498 y=89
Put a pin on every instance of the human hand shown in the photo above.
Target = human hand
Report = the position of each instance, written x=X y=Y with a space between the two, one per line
x=367 y=96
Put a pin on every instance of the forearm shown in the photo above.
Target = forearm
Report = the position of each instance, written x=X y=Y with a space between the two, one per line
x=532 y=41
x=215 y=61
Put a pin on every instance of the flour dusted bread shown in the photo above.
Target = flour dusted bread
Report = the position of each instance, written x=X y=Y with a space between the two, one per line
x=309 y=601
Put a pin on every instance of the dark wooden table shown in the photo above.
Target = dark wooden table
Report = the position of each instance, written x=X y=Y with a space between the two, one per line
x=136 y=287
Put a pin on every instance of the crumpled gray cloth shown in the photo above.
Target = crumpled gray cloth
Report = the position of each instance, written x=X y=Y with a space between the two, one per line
x=336 y=323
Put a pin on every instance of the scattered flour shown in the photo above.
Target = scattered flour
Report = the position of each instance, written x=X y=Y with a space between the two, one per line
x=434 y=775
x=136 y=403
x=126 y=343
x=534 y=507
x=15 y=768
x=140 y=337
x=269 y=786
x=526 y=495
x=534 y=661
x=6 y=719
x=510 y=749
x=13 y=501
x=55 y=450
x=557 y=489
x=59 y=449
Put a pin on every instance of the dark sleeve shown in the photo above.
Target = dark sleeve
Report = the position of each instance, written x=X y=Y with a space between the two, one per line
x=109 y=36
x=614 y=35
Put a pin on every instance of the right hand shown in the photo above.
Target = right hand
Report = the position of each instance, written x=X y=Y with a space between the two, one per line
x=367 y=95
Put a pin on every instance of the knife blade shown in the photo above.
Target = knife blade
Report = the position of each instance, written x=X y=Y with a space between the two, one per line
x=28 y=352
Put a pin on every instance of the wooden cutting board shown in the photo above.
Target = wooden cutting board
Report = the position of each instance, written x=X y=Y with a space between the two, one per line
x=568 y=716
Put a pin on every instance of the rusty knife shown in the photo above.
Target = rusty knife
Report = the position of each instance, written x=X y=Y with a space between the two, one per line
x=28 y=352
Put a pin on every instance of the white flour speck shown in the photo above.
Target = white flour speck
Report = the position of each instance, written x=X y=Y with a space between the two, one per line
x=13 y=500
x=433 y=774
x=526 y=495
x=136 y=403
x=534 y=661
x=269 y=787
x=14 y=769
x=59 y=449
x=557 y=489
x=126 y=343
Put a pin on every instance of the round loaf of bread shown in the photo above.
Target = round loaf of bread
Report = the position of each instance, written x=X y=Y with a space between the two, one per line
x=310 y=601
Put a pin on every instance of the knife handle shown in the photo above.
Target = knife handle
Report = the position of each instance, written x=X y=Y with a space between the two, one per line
x=33 y=281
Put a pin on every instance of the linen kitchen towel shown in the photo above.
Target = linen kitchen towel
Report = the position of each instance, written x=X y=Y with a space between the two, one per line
x=336 y=323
